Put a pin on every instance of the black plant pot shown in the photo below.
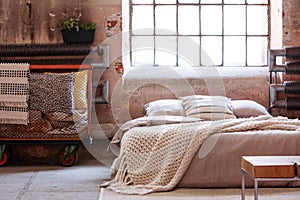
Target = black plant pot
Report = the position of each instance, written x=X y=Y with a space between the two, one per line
x=81 y=36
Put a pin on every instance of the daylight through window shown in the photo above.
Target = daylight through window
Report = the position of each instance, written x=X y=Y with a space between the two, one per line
x=198 y=32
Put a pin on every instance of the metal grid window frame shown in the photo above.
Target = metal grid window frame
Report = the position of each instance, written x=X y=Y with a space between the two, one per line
x=200 y=35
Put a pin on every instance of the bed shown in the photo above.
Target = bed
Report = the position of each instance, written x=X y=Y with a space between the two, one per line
x=225 y=130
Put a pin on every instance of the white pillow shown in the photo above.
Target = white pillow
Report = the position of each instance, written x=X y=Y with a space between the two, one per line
x=164 y=107
x=248 y=108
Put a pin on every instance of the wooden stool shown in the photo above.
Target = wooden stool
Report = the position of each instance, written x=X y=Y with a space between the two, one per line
x=269 y=168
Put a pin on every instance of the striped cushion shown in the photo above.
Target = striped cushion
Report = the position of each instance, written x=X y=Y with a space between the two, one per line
x=208 y=107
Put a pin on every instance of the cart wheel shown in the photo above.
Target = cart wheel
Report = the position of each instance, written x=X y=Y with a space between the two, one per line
x=4 y=159
x=67 y=160
x=9 y=152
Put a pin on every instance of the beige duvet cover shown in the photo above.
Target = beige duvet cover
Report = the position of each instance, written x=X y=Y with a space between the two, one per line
x=218 y=161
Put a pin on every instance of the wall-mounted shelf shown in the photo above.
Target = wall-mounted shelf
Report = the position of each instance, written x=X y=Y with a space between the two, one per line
x=284 y=94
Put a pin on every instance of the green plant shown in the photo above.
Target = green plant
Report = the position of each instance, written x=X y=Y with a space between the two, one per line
x=72 y=23
x=88 y=26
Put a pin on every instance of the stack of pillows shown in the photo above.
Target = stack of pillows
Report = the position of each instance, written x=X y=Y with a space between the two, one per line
x=205 y=107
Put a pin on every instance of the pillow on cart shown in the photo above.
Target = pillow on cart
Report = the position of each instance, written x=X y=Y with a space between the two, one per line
x=51 y=92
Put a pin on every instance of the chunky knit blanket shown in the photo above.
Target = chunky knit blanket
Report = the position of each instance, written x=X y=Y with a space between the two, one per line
x=14 y=93
x=155 y=158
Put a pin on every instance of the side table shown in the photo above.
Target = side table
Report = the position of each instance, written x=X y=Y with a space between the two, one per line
x=269 y=168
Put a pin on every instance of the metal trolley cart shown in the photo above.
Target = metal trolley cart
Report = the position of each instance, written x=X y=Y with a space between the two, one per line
x=50 y=59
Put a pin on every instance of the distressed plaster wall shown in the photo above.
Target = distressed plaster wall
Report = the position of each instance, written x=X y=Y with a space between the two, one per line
x=19 y=25
x=34 y=21
x=142 y=85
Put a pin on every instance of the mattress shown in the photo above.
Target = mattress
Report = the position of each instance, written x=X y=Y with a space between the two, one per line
x=218 y=161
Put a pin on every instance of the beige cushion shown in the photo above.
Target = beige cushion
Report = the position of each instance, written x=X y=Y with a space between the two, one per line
x=248 y=108
x=80 y=90
x=164 y=107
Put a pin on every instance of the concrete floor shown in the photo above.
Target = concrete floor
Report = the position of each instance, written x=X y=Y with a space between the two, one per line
x=47 y=181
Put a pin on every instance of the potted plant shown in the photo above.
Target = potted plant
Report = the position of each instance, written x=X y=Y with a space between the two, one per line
x=73 y=30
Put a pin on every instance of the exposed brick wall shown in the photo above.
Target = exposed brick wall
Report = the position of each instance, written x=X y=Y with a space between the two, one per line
x=291 y=22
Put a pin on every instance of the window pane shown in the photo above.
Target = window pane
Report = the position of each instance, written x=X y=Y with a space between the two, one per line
x=257 y=1
x=188 y=20
x=144 y=26
x=211 y=20
x=234 y=20
x=211 y=50
x=142 y=1
x=257 y=50
x=165 y=51
x=165 y=1
x=234 y=51
x=188 y=1
x=189 y=51
x=234 y=1
x=211 y=1
x=165 y=23
x=257 y=20
x=142 y=50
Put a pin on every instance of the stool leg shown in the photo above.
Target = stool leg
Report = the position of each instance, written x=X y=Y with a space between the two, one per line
x=255 y=189
x=243 y=185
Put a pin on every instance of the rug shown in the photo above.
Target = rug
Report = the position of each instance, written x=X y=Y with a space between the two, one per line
x=207 y=194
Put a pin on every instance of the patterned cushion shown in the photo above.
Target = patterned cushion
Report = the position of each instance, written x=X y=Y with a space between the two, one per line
x=35 y=116
x=51 y=92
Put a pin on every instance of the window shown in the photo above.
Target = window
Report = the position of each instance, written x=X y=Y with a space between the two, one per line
x=198 y=32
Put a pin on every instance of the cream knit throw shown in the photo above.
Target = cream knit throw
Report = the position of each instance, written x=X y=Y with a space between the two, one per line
x=155 y=158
